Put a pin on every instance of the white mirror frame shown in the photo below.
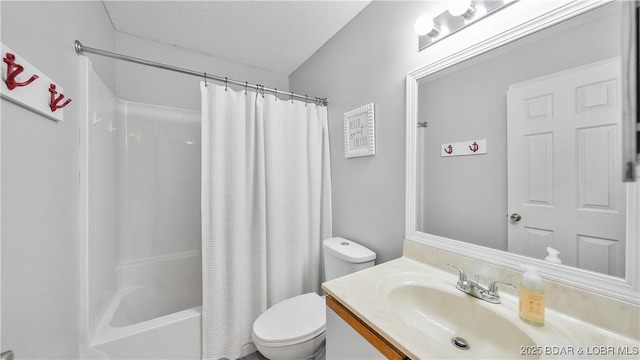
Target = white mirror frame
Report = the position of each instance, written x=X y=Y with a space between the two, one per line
x=626 y=289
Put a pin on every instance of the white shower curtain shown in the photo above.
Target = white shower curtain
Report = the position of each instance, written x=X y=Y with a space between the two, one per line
x=266 y=207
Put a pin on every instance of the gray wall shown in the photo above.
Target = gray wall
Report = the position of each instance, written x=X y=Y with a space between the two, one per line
x=40 y=239
x=367 y=61
x=470 y=103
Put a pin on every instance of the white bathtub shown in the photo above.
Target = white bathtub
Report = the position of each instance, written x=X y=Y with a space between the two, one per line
x=158 y=319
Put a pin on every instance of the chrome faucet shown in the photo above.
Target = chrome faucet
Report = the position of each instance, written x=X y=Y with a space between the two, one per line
x=473 y=287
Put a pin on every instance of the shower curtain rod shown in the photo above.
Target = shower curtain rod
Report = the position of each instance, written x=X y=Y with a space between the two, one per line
x=81 y=49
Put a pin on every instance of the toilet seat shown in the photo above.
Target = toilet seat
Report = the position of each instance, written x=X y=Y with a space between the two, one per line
x=291 y=321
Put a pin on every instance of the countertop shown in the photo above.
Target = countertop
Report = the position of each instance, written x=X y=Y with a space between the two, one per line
x=366 y=294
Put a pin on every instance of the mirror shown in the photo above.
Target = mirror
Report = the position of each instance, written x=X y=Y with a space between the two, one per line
x=523 y=151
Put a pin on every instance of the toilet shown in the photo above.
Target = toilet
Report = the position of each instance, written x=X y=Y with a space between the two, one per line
x=295 y=328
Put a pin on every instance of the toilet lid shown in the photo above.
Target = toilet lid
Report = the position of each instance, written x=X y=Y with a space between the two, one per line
x=299 y=318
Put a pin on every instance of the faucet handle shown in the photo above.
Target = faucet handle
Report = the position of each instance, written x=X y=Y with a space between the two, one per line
x=462 y=277
x=492 y=294
x=492 y=290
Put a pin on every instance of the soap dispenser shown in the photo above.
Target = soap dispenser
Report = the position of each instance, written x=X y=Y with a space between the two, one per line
x=532 y=297
x=552 y=256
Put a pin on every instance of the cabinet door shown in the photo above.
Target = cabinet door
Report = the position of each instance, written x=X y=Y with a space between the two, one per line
x=348 y=337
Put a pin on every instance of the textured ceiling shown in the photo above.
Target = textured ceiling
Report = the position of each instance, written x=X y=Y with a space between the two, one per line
x=272 y=35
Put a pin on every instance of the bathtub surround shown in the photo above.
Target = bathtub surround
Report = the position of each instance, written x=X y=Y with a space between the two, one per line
x=141 y=282
x=159 y=197
x=266 y=208
x=98 y=199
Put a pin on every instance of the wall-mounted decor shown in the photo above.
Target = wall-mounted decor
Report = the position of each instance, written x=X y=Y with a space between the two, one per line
x=25 y=85
x=359 y=132
x=470 y=147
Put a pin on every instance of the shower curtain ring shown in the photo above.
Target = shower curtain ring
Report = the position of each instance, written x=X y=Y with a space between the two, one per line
x=292 y=97
x=205 y=79
x=246 y=85
x=306 y=99
x=275 y=94
x=225 y=83
x=262 y=91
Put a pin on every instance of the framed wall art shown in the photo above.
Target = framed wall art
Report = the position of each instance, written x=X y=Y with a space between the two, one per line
x=359 y=132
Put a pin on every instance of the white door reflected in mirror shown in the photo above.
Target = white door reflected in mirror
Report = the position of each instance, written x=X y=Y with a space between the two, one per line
x=564 y=176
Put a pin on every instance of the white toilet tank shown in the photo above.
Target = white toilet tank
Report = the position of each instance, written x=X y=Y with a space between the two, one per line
x=343 y=257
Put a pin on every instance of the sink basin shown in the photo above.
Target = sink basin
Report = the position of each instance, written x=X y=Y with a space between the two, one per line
x=416 y=308
x=440 y=315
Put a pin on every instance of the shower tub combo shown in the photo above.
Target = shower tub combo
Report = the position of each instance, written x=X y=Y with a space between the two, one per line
x=140 y=203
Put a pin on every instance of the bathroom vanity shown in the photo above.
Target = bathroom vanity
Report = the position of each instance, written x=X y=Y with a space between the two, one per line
x=410 y=308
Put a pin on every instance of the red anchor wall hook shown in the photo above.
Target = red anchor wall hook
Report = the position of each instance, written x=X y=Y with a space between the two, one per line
x=14 y=70
x=448 y=149
x=55 y=100
x=474 y=147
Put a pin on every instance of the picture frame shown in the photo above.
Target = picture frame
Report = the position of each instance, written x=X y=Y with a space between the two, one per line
x=359 y=132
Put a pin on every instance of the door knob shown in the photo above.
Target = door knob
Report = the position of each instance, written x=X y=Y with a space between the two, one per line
x=515 y=217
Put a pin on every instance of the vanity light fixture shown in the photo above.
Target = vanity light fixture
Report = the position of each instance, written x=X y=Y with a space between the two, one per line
x=460 y=14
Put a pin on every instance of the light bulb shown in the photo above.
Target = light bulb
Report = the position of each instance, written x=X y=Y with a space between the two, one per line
x=424 y=25
x=462 y=8
x=480 y=11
